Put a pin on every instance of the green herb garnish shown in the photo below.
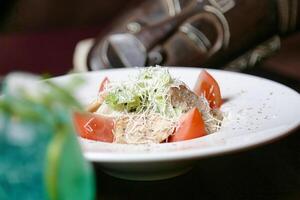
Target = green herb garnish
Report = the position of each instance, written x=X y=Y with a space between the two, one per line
x=146 y=91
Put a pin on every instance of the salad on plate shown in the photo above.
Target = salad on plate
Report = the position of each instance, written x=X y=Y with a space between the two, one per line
x=152 y=107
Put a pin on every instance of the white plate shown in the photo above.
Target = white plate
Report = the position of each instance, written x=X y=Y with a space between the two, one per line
x=258 y=111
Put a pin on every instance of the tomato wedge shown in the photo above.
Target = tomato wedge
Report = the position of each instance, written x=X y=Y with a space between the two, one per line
x=94 y=127
x=191 y=125
x=209 y=87
x=103 y=84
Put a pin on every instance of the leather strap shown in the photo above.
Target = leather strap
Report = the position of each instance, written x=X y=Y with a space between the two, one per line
x=287 y=15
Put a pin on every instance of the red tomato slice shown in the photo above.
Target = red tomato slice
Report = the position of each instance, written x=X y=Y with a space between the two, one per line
x=103 y=84
x=94 y=127
x=191 y=126
x=209 y=87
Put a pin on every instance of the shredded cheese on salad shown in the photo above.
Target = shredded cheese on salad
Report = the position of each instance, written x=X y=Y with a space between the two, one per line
x=148 y=106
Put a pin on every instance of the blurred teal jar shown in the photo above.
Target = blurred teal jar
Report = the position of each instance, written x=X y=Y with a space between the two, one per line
x=40 y=157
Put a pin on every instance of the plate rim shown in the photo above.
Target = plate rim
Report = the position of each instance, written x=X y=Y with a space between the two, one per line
x=191 y=153
x=187 y=154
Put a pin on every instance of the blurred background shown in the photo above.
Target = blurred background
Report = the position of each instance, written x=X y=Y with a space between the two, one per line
x=40 y=36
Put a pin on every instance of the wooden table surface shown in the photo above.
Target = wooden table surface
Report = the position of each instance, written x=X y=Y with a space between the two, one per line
x=269 y=172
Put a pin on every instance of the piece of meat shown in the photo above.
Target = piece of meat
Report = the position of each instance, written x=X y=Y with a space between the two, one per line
x=139 y=130
x=183 y=98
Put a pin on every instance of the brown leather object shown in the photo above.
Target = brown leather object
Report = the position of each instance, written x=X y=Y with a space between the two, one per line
x=148 y=13
x=246 y=31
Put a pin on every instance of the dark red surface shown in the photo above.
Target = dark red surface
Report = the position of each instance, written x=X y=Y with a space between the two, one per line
x=50 y=52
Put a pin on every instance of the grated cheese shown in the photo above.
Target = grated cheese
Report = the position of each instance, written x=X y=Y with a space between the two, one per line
x=142 y=107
